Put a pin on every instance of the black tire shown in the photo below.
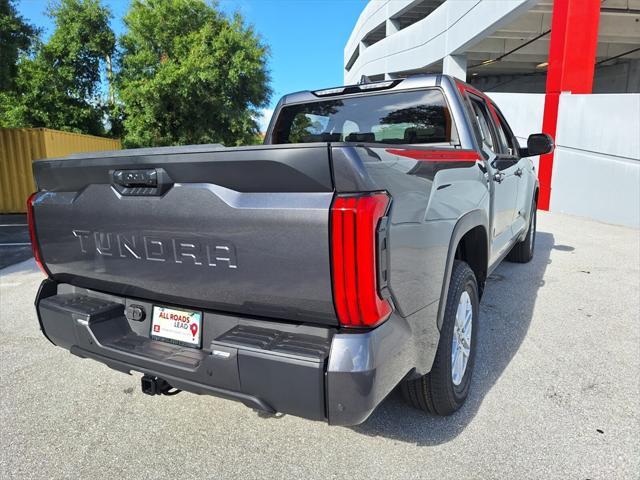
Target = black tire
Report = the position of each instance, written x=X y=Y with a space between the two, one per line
x=436 y=392
x=522 y=252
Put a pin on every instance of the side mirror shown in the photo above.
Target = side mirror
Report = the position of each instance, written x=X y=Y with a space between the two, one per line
x=538 y=144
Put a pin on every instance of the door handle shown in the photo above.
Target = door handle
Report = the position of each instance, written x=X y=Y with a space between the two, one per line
x=518 y=172
x=498 y=177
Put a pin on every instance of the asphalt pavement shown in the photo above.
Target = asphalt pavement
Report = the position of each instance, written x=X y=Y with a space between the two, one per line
x=555 y=393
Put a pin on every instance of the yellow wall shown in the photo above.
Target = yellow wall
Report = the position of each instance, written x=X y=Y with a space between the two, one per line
x=20 y=146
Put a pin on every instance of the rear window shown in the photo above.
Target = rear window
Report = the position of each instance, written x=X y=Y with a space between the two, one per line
x=418 y=117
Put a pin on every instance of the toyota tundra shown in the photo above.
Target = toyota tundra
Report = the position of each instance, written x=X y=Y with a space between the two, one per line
x=310 y=275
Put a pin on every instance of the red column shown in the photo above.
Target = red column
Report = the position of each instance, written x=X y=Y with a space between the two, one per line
x=572 y=55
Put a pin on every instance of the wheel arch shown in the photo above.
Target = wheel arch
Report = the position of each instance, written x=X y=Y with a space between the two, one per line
x=533 y=199
x=469 y=242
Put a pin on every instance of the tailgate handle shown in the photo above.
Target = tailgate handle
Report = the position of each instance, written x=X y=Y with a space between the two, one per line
x=136 y=178
x=149 y=181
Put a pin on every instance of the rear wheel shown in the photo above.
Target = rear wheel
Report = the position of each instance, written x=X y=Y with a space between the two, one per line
x=522 y=251
x=443 y=390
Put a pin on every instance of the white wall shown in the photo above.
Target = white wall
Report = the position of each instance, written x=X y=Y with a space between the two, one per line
x=596 y=170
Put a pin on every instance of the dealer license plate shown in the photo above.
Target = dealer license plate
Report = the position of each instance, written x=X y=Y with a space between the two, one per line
x=181 y=327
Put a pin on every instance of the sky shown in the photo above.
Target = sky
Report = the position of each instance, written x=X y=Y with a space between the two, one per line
x=306 y=37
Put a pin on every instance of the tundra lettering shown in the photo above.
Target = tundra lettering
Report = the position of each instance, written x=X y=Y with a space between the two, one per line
x=156 y=248
x=367 y=225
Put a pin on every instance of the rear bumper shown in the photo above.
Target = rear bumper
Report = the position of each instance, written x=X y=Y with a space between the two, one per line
x=311 y=372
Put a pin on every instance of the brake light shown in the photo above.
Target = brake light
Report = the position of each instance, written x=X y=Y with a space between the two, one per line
x=32 y=233
x=354 y=224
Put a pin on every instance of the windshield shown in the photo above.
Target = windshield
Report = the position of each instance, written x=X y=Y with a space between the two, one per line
x=418 y=117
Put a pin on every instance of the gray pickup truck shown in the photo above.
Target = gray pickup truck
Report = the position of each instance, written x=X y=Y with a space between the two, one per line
x=310 y=275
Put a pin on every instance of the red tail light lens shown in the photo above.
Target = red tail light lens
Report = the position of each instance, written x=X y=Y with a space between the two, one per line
x=354 y=223
x=32 y=233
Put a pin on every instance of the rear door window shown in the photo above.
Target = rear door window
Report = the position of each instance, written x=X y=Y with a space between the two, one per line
x=507 y=140
x=482 y=119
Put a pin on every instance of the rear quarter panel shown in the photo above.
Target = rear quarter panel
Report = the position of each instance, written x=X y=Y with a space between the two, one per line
x=428 y=200
x=429 y=196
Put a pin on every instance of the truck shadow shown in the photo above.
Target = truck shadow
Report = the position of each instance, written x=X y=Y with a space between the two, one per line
x=505 y=312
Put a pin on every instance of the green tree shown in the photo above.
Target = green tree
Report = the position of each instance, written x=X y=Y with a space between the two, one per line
x=189 y=74
x=16 y=37
x=59 y=86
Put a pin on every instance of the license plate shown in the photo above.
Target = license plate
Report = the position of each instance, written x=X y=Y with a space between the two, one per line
x=181 y=327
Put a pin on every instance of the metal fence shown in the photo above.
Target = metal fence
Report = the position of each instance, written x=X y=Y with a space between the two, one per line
x=20 y=146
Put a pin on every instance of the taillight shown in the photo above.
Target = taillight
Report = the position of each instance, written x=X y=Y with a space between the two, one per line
x=354 y=225
x=32 y=233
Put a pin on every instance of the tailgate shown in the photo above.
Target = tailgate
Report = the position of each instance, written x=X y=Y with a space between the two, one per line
x=241 y=230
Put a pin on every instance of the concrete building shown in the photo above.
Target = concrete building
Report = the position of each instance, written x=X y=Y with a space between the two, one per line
x=542 y=61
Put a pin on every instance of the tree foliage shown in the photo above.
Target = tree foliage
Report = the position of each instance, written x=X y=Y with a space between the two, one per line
x=188 y=74
x=16 y=37
x=59 y=86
